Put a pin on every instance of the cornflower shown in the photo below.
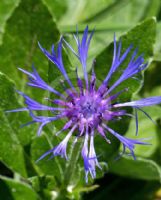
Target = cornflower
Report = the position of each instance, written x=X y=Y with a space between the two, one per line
x=87 y=108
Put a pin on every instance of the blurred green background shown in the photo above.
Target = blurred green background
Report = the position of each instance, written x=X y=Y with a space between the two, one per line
x=25 y=22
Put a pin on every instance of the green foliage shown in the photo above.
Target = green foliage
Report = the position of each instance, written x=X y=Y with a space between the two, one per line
x=142 y=168
x=11 y=148
x=6 y=9
x=24 y=29
x=25 y=22
x=12 y=189
x=147 y=130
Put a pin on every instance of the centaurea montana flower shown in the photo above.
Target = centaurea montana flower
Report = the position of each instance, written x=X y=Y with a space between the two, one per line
x=88 y=109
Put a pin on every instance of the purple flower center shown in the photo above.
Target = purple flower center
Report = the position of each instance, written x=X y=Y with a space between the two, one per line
x=88 y=108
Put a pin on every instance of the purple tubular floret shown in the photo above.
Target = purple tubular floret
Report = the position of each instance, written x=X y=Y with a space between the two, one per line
x=36 y=81
x=150 y=101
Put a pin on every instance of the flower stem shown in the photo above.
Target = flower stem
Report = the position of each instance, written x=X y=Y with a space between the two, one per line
x=71 y=165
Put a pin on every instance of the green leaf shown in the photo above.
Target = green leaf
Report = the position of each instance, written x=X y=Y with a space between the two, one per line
x=157 y=47
x=107 y=16
x=11 y=151
x=151 y=8
x=101 y=11
x=118 y=11
x=44 y=186
x=147 y=129
x=6 y=9
x=80 y=10
x=56 y=8
x=152 y=82
x=12 y=189
x=138 y=169
x=39 y=146
x=40 y=183
x=10 y=135
x=15 y=120
x=34 y=24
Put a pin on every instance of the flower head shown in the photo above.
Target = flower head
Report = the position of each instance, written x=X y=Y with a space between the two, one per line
x=88 y=108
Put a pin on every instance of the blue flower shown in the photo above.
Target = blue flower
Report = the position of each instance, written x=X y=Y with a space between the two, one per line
x=88 y=109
